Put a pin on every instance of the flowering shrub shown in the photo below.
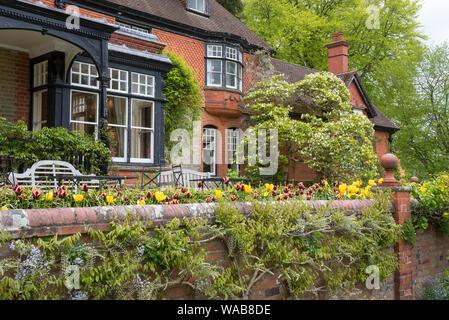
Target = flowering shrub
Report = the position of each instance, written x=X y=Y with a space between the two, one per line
x=331 y=139
x=20 y=198
x=433 y=207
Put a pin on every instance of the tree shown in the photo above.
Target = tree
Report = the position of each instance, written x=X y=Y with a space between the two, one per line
x=379 y=31
x=421 y=108
x=331 y=139
x=184 y=98
x=233 y=6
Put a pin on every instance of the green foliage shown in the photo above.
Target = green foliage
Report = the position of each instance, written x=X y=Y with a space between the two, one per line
x=305 y=246
x=184 y=98
x=418 y=103
x=233 y=6
x=132 y=261
x=27 y=147
x=330 y=138
x=408 y=232
x=433 y=203
x=299 y=29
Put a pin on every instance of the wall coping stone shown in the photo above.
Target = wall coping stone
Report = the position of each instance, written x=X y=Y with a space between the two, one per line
x=67 y=221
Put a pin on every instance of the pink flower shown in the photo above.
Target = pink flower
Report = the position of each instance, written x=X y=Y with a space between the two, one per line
x=85 y=188
x=36 y=194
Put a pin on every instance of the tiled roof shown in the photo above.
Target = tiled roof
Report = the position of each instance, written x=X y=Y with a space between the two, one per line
x=220 y=19
x=293 y=72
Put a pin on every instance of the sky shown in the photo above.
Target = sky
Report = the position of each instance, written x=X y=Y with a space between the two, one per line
x=434 y=17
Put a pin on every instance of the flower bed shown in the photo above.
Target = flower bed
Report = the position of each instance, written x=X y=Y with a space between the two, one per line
x=20 y=198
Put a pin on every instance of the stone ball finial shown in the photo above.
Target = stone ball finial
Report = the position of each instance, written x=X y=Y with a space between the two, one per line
x=414 y=179
x=389 y=161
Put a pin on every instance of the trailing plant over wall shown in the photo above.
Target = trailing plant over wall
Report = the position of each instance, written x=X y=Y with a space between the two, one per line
x=331 y=139
x=27 y=147
x=184 y=98
x=323 y=251
x=433 y=203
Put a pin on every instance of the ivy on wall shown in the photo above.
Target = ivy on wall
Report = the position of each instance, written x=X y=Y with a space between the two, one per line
x=184 y=98
x=313 y=252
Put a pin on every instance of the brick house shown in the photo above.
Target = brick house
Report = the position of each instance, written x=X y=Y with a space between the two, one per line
x=109 y=71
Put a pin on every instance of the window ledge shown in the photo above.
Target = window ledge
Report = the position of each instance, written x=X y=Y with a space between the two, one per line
x=211 y=88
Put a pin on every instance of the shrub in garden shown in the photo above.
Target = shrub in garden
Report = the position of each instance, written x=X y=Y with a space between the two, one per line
x=27 y=147
x=433 y=206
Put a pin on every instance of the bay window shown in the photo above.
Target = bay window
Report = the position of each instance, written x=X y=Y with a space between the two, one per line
x=130 y=110
x=224 y=66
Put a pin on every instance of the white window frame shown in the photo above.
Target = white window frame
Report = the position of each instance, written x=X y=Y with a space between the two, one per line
x=130 y=28
x=147 y=76
x=40 y=74
x=80 y=74
x=141 y=160
x=206 y=133
x=235 y=75
x=85 y=122
x=119 y=81
x=37 y=110
x=212 y=48
x=125 y=126
x=209 y=73
x=232 y=144
x=232 y=53
x=194 y=5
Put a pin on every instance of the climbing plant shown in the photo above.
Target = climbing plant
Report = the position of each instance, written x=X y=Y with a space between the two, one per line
x=311 y=252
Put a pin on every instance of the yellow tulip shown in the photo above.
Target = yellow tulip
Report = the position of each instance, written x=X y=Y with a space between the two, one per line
x=4 y=208
x=248 y=189
x=110 y=199
x=342 y=188
x=78 y=198
x=372 y=183
x=141 y=202
x=381 y=180
x=356 y=184
x=49 y=196
x=269 y=187
x=159 y=196
x=219 y=194
x=266 y=194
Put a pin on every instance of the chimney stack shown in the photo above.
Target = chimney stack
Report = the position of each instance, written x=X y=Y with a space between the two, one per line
x=338 y=54
x=184 y=3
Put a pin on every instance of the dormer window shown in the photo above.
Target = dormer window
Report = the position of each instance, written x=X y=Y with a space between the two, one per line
x=201 y=6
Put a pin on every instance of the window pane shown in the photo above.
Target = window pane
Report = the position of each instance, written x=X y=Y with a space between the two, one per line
x=85 y=68
x=117 y=135
x=141 y=143
x=142 y=114
x=76 y=67
x=214 y=65
x=117 y=111
x=84 y=107
x=89 y=129
x=40 y=110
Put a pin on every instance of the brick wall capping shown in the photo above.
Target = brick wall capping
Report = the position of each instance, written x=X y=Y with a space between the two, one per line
x=68 y=221
x=393 y=188
x=337 y=44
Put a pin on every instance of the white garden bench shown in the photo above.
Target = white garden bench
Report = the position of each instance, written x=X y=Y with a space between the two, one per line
x=166 y=178
x=41 y=175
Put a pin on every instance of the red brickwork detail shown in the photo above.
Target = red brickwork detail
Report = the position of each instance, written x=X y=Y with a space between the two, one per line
x=135 y=43
x=83 y=12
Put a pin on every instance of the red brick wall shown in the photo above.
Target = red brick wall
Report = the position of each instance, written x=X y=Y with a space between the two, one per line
x=191 y=50
x=83 y=12
x=135 y=43
x=429 y=257
x=14 y=83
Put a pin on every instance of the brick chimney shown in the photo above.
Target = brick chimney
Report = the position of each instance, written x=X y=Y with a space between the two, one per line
x=184 y=3
x=338 y=53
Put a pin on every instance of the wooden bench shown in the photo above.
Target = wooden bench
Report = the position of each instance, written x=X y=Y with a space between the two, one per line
x=42 y=175
x=166 y=178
